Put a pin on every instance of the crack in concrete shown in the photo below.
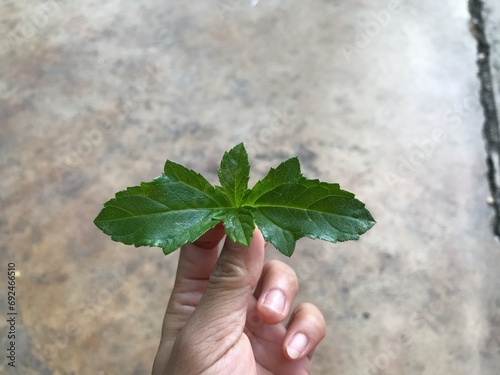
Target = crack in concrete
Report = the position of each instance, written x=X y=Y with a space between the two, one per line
x=491 y=131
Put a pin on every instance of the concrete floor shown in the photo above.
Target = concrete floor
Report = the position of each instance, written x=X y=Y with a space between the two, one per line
x=381 y=98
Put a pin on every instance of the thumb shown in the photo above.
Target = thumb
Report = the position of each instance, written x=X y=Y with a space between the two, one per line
x=221 y=313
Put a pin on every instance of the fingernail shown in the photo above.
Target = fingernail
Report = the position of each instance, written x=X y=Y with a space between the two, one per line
x=297 y=345
x=275 y=300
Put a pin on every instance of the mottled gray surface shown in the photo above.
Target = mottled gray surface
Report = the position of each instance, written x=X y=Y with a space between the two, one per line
x=95 y=96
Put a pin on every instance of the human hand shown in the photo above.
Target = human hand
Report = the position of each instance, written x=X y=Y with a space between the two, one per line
x=225 y=314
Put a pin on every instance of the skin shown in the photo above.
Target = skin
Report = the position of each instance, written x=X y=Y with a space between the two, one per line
x=217 y=321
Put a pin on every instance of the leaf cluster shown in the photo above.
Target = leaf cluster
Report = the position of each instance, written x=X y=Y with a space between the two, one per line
x=181 y=205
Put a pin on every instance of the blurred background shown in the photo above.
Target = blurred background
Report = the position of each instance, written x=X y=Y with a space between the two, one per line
x=380 y=96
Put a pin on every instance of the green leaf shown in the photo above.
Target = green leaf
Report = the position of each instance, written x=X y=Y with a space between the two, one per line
x=234 y=173
x=287 y=206
x=309 y=208
x=173 y=209
x=239 y=224
x=181 y=205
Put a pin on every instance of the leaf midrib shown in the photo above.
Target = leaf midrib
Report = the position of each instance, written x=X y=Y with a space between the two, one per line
x=162 y=212
x=306 y=210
